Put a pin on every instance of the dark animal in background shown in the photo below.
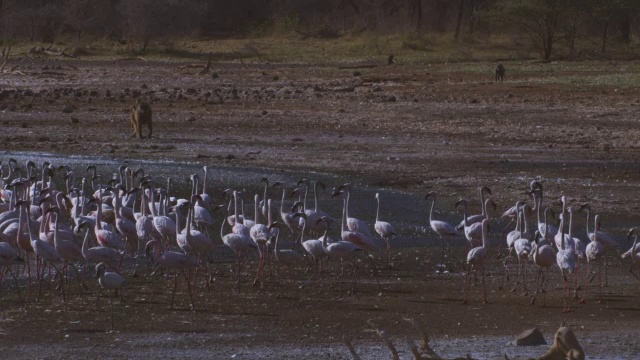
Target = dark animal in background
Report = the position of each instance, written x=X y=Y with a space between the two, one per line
x=140 y=115
x=500 y=71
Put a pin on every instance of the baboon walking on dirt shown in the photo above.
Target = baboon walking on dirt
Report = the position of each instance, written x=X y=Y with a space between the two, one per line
x=140 y=115
x=500 y=71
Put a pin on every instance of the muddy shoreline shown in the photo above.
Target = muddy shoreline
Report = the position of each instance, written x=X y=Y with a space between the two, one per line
x=403 y=130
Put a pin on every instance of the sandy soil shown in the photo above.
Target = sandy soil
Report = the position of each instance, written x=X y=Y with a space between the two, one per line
x=404 y=128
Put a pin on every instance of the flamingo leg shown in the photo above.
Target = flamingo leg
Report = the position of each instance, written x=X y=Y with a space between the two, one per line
x=388 y=253
x=186 y=278
x=111 y=306
x=515 y=285
x=484 y=287
x=353 y=278
x=585 y=293
x=175 y=286
x=466 y=288
x=375 y=270
x=15 y=278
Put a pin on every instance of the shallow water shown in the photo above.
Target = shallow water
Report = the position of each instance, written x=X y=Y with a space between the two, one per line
x=408 y=213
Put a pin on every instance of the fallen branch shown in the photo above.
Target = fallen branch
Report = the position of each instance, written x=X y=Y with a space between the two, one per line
x=134 y=58
x=424 y=340
x=383 y=335
x=352 y=351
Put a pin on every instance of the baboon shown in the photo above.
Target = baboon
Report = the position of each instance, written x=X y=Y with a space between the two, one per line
x=140 y=115
x=500 y=71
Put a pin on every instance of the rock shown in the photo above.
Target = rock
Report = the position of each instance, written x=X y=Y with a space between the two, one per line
x=474 y=101
x=67 y=109
x=191 y=119
x=230 y=157
x=74 y=120
x=531 y=337
x=357 y=73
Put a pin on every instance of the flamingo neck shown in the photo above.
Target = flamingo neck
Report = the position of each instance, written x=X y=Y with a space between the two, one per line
x=484 y=205
x=282 y=201
x=431 y=211
x=255 y=209
x=306 y=193
x=99 y=216
x=378 y=209
x=315 y=196
x=204 y=182
x=344 y=214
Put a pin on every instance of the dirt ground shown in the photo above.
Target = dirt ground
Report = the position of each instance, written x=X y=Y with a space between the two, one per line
x=413 y=129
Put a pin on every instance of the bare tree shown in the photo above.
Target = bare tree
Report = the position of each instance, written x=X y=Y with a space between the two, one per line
x=539 y=19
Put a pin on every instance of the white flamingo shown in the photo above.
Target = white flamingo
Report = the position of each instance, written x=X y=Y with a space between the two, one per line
x=566 y=260
x=476 y=258
x=343 y=250
x=633 y=252
x=443 y=229
x=109 y=280
x=384 y=229
x=544 y=257
x=479 y=217
x=241 y=246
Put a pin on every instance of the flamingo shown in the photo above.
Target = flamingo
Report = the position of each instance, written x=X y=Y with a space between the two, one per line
x=314 y=248
x=607 y=241
x=443 y=229
x=544 y=257
x=69 y=251
x=287 y=217
x=512 y=211
x=109 y=280
x=476 y=258
x=595 y=250
x=240 y=244
x=478 y=218
x=352 y=223
x=343 y=250
x=260 y=234
x=566 y=260
x=97 y=254
x=547 y=230
x=522 y=247
x=364 y=242
x=172 y=260
x=384 y=229
x=633 y=252
x=105 y=237
x=43 y=250
x=287 y=257
x=239 y=226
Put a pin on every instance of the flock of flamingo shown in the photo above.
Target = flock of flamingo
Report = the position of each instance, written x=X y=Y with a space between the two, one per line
x=49 y=233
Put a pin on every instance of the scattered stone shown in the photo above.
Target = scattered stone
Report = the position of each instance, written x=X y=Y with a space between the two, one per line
x=230 y=157
x=264 y=112
x=357 y=73
x=391 y=98
x=144 y=86
x=44 y=138
x=67 y=109
x=531 y=337
x=276 y=78
x=474 y=101
x=214 y=75
x=75 y=120
x=191 y=118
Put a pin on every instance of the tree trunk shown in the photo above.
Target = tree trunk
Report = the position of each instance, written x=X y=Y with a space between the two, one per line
x=625 y=28
x=456 y=36
x=548 y=46
x=419 y=11
x=605 y=30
